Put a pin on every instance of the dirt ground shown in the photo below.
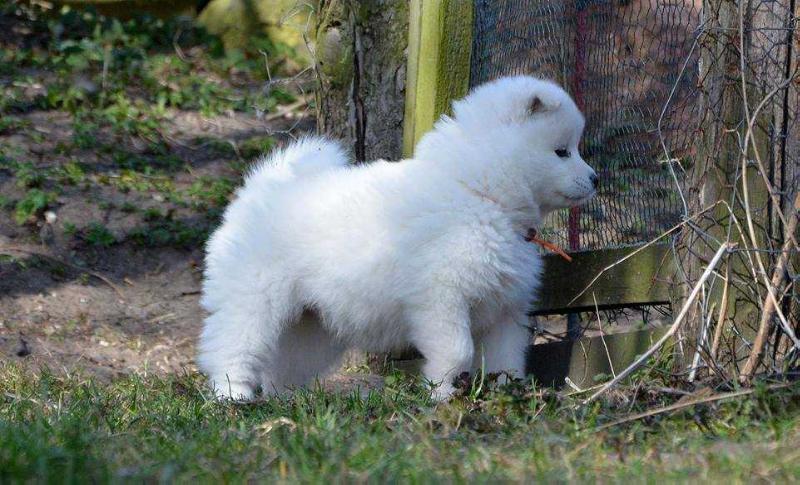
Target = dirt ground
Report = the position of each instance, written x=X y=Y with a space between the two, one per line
x=67 y=304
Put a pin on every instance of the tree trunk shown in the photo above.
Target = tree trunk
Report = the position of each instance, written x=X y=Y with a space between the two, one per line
x=361 y=65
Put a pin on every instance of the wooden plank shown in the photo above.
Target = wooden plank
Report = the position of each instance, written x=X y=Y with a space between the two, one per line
x=585 y=359
x=440 y=46
x=632 y=282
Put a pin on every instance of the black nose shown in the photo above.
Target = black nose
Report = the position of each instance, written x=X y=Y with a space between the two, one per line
x=595 y=180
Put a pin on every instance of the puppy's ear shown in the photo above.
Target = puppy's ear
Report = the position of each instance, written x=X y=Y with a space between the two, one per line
x=536 y=106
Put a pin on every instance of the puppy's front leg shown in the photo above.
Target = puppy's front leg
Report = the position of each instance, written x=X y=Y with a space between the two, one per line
x=502 y=347
x=443 y=337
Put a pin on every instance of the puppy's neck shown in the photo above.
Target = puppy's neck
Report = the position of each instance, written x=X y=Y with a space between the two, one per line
x=523 y=217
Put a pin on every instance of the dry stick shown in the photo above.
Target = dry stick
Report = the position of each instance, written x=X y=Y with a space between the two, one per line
x=778 y=276
x=674 y=328
x=773 y=300
x=686 y=404
x=16 y=249
x=723 y=312
x=782 y=343
x=286 y=109
x=700 y=342
x=602 y=336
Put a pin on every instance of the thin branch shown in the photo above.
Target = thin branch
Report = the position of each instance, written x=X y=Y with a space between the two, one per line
x=640 y=249
x=723 y=312
x=603 y=336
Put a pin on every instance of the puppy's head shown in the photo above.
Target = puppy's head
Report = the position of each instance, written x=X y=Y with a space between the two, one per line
x=534 y=128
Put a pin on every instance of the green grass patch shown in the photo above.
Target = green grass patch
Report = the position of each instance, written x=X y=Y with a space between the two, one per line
x=28 y=175
x=32 y=205
x=256 y=146
x=161 y=230
x=207 y=192
x=71 y=173
x=98 y=235
x=75 y=429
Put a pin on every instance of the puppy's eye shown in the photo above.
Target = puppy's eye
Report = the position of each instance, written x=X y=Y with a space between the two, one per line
x=563 y=153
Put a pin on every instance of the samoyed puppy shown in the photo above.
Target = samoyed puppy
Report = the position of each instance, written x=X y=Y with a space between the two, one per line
x=316 y=256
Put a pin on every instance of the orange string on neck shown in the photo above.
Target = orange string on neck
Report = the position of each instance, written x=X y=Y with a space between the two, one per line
x=532 y=237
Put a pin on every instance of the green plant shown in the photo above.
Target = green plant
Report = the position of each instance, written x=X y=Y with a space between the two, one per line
x=256 y=146
x=70 y=229
x=32 y=205
x=84 y=134
x=28 y=175
x=96 y=234
x=128 y=208
x=210 y=192
x=163 y=231
x=71 y=173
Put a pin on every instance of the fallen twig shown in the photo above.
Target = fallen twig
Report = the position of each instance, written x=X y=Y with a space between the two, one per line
x=603 y=336
x=286 y=109
x=723 y=313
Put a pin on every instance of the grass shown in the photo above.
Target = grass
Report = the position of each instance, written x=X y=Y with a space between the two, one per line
x=32 y=205
x=71 y=429
x=98 y=235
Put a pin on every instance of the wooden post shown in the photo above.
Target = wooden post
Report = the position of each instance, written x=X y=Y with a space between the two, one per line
x=440 y=45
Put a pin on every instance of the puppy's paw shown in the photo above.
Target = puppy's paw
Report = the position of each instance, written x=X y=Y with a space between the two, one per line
x=442 y=392
x=225 y=389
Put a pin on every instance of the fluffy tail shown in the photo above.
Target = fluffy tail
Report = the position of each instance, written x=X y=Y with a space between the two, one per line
x=303 y=158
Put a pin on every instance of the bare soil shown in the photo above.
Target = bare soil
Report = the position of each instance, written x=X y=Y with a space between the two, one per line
x=69 y=305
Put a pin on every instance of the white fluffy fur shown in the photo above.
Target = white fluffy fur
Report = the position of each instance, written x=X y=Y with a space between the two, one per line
x=315 y=256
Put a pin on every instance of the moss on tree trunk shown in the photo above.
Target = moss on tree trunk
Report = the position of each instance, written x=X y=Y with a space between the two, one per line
x=361 y=65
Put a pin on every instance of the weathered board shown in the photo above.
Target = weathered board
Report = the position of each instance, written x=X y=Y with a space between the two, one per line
x=586 y=359
x=606 y=278
x=440 y=45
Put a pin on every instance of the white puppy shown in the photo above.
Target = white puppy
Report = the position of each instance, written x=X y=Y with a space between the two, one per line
x=315 y=256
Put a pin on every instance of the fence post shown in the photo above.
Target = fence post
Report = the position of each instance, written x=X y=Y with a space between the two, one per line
x=440 y=45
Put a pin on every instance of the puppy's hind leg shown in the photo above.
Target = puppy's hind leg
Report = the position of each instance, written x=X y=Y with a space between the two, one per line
x=239 y=340
x=306 y=351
